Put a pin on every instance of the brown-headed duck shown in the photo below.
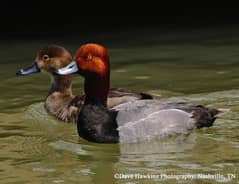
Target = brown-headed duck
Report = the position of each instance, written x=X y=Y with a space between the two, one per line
x=60 y=101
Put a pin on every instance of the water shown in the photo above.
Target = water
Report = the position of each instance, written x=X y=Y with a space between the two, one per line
x=199 y=66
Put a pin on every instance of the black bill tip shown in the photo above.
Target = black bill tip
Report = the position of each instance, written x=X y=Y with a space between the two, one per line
x=19 y=72
x=29 y=70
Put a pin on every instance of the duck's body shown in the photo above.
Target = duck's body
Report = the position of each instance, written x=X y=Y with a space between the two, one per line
x=132 y=121
x=155 y=118
x=60 y=102
x=67 y=107
x=141 y=120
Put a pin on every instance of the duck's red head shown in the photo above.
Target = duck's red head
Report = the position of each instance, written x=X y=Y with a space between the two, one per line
x=93 y=60
x=93 y=64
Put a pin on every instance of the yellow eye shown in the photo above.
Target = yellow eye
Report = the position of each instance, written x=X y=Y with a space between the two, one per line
x=46 y=57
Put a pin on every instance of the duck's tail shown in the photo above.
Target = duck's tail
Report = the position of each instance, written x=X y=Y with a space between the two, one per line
x=146 y=96
x=205 y=117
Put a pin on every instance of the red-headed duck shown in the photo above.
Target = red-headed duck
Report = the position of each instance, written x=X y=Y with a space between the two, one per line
x=60 y=101
x=129 y=122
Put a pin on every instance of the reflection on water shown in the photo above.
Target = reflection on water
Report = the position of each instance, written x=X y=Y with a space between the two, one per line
x=200 y=67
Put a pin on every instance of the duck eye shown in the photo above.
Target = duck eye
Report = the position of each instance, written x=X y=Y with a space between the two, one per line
x=46 y=57
x=89 y=57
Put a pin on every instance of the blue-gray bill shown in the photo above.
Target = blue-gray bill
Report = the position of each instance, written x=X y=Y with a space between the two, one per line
x=69 y=69
x=29 y=70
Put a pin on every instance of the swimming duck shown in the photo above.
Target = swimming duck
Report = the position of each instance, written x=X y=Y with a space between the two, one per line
x=129 y=122
x=60 y=101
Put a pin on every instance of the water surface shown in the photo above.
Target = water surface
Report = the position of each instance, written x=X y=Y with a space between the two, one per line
x=199 y=66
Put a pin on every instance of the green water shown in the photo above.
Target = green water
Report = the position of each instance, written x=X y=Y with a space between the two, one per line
x=199 y=66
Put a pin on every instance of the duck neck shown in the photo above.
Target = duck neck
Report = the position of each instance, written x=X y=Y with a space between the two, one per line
x=61 y=84
x=95 y=122
x=96 y=90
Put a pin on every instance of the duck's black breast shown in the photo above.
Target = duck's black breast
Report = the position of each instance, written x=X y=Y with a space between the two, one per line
x=95 y=123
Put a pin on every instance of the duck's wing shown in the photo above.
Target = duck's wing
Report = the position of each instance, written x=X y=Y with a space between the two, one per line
x=118 y=96
x=77 y=101
x=119 y=92
x=136 y=110
x=63 y=107
x=146 y=119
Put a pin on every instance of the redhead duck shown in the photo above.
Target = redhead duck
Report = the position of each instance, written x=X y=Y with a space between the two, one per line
x=60 y=102
x=129 y=122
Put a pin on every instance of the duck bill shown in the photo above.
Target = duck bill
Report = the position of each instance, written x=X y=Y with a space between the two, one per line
x=29 y=70
x=69 y=69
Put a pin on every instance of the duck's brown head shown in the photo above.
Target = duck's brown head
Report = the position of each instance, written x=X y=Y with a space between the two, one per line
x=49 y=59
